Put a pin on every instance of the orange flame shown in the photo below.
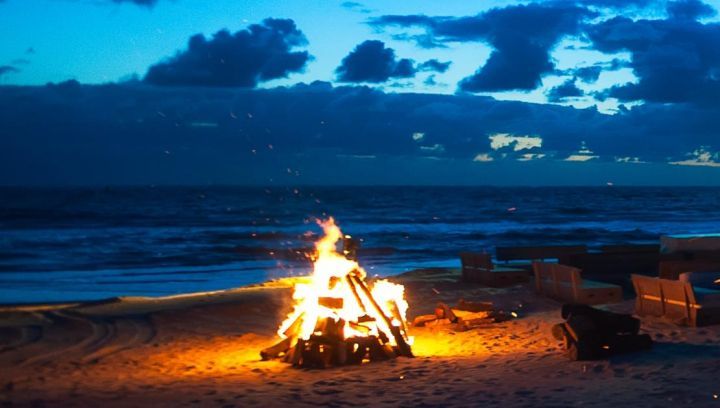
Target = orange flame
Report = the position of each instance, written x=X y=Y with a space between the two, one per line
x=331 y=275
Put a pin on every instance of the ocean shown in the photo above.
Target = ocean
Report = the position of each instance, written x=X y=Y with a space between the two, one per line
x=64 y=244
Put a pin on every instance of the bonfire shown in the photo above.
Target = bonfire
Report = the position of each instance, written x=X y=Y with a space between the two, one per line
x=339 y=317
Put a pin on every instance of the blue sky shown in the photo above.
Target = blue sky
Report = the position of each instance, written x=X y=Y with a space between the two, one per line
x=97 y=41
x=640 y=79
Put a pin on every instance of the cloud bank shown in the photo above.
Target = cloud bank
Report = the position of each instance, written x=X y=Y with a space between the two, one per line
x=137 y=133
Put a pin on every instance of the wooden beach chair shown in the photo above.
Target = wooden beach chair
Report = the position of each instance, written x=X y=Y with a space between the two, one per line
x=565 y=283
x=479 y=268
x=678 y=301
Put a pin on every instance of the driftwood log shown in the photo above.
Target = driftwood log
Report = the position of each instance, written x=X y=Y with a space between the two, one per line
x=465 y=316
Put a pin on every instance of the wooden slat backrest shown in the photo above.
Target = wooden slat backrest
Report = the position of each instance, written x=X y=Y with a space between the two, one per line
x=543 y=276
x=564 y=273
x=649 y=299
x=567 y=281
x=555 y=280
x=675 y=299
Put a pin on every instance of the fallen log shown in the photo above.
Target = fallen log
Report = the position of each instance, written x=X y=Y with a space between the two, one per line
x=276 y=350
x=438 y=322
x=422 y=320
x=465 y=325
x=443 y=311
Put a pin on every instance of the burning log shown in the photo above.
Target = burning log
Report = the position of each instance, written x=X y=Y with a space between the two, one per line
x=403 y=348
x=330 y=302
x=354 y=291
x=294 y=327
x=395 y=311
x=284 y=345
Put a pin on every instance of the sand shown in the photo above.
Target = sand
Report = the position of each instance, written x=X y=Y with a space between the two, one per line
x=202 y=350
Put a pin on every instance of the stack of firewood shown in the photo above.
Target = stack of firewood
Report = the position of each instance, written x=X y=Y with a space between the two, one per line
x=328 y=347
x=464 y=316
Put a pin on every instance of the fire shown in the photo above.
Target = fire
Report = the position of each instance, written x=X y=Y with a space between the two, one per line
x=339 y=309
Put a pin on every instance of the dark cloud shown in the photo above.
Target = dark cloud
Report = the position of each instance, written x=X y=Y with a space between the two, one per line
x=259 y=53
x=567 y=89
x=521 y=36
x=434 y=65
x=8 y=69
x=372 y=62
x=136 y=133
x=689 y=9
x=676 y=59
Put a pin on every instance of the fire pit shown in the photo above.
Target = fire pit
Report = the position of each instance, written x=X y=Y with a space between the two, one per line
x=339 y=318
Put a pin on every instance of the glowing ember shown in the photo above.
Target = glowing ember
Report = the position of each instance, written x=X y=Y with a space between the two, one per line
x=338 y=310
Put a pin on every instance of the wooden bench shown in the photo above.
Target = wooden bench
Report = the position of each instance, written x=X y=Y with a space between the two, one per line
x=530 y=253
x=565 y=283
x=479 y=268
x=676 y=300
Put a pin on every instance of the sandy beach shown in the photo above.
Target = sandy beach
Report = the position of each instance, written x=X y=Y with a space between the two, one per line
x=202 y=350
